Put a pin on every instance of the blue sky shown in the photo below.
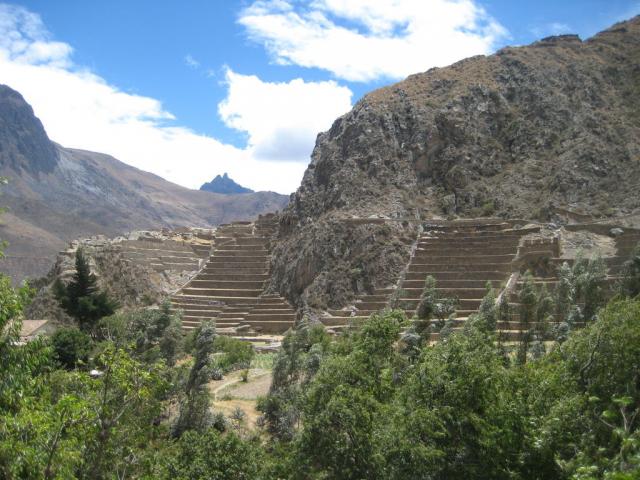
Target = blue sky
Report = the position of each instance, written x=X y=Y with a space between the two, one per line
x=192 y=89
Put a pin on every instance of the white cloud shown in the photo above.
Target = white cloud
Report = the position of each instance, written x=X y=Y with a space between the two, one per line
x=363 y=40
x=553 y=28
x=282 y=119
x=191 y=62
x=80 y=109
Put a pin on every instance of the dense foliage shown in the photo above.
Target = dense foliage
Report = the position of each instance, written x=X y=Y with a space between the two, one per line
x=131 y=400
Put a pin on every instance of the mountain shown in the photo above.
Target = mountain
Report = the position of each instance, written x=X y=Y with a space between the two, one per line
x=528 y=132
x=224 y=184
x=57 y=194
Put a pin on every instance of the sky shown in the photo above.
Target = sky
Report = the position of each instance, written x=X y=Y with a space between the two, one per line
x=192 y=89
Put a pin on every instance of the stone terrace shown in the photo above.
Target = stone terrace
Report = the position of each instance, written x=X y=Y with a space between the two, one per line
x=462 y=256
x=229 y=289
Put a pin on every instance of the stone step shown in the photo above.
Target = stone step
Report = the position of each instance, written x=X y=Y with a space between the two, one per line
x=335 y=321
x=227 y=251
x=197 y=309
x=244 y=248
x=463 y=237
x=372 y=305
x=440 y=275
x=457 y=283
x=219 y=292
x=236 y=256
x=226 y=284
x=430 y=268
x=372 y=298
x=196 y=318
x=239 y=266
x=476 y=226
x=218 y=270
x=231 y=277
x=464 y=304
x=444 y=251
x=480 y=247
x=190 y=299
x=287 y=316
x=469 y=259
x=215 y=259
x=270 y=326
x=470 y=293
x=275 y=308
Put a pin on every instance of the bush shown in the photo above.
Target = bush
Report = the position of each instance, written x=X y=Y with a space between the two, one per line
x=236 y=354
x=71 y=347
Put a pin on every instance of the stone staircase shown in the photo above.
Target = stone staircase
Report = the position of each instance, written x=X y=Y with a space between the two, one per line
x=229 y=289
x=625 y=245
x=462 y=256
x=165 y=255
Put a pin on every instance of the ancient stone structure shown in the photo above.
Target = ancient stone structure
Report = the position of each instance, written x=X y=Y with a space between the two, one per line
x=230 y=288
x=464 y=256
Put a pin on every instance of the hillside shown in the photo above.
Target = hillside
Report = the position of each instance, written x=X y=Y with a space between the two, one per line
x=528 y=132
x=57 y=194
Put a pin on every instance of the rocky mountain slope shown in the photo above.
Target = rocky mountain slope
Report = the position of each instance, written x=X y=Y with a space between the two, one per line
x=224 y=184
x=57 y=194
x=527 y=132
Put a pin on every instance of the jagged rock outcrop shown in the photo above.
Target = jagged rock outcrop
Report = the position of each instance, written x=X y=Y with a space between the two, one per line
x=515 y=134
x=57 y=194
x=224 y=184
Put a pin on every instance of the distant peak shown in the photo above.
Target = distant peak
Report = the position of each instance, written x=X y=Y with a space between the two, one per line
x=225 y=185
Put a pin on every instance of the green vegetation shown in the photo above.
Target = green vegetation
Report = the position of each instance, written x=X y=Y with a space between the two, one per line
x=131 y=400
x=81 y=298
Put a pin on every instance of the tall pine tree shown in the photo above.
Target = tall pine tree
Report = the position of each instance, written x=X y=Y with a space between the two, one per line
x=81 y=298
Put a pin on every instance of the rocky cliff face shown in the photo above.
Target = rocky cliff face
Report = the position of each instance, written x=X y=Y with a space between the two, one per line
x=554 y=125
x=24 y=144
x=57 y=194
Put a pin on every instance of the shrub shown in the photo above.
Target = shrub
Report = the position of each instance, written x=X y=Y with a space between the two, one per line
x=235 y=353
x=71 y=347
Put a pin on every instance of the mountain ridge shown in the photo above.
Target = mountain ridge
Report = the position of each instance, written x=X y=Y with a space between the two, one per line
x=57 y=194
x=225 y=185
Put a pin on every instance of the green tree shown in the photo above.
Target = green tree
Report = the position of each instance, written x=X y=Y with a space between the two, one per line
x=211 y=455
x=630 y=283
x=71 y=347
x=20 y=363
x=195 y=411
x=81 y=298
x=345 y=404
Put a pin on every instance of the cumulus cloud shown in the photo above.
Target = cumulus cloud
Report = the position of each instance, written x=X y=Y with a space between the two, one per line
x=364 y=40
x=281 y=119
x=82 y=110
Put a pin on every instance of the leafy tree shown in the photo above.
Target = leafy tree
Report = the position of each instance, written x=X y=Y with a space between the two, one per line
x=527 y=314
x=81 y=298
x=194 y=406
x=345 y=404
x=630 y=283
x=297 y=362
x=20 y=363
x=74 y=426
x=211 y=455
x=236 y=354
x=487 y=317
x=71 y=347
x=592 y=422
